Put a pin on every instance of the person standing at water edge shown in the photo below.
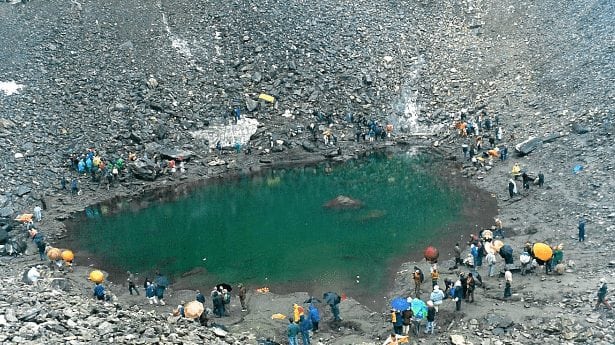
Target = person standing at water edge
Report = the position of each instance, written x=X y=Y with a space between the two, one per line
x=131 y=283
x=457 y=255
x=242 y=297
x=200 y=298
x=582 y=229
x=292 y=332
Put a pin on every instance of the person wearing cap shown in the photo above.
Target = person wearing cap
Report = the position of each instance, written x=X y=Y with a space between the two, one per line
x=602 y=291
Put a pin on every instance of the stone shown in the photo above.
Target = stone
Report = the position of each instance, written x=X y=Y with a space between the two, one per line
x=528 y=146
x=251 y=104
x=457 y=339
x=143 y=169
x=23 y=190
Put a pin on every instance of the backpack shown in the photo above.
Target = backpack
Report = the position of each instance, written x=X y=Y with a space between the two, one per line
x=451 y=292
x=227 y=298
x=99 y=291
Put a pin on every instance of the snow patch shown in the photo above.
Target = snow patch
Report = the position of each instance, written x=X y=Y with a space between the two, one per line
x=228 y=134
x=10 y=87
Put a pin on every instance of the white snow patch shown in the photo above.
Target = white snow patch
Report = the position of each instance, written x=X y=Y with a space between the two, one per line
x=229 y=134
x=10 y=87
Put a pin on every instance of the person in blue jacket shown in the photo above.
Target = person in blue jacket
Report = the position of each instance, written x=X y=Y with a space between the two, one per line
x=305 y=325
x=314 y=317
x=292 y=332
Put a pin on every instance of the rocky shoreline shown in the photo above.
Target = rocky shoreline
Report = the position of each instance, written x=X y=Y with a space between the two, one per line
x=98 y=78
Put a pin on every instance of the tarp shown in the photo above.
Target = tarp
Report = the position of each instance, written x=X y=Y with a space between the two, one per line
x=399 y=303
x=193 y=309
x=542 y=251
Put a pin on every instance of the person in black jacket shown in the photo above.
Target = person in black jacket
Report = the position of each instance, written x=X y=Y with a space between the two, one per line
x=431 y=317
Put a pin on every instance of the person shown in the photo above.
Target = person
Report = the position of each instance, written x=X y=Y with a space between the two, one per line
x=33 y=275
x=131 y=283
x=581 y=229
x=200 y=298
x=180 y=309
x=457 y=255
x=437 y=296
x=491 y=261
x=512 y=188
x=499 y=230
x=464 y=148
x=525 y=259
x=431 y=317
x=526 y=181
x=38 y=213
x=297 y=312
x=541 y=179
x=218 y=303
x=305 y=326
x=395 y=339
x=397 y=321
x=477 y=255
x=150 y=293
x=292 y=332
x=226 y=302
x=63 y=183
x=99 y=292
x=418 y=279
x=39 y=241
x=74 y=187
x=242 y=297
x=334 y=305
x=406 y=317
x=503 y=152
x=508 y=285
x=161 y=282
x=516 y=170
x=314 y=317
x=602 y=291
x=471 y=286
x=434 y=277
x=457 y=295
x=464 y=285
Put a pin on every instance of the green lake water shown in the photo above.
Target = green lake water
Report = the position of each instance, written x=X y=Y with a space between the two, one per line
x=272 y=229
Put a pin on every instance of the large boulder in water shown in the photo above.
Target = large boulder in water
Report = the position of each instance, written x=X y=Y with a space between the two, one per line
x=344 y=202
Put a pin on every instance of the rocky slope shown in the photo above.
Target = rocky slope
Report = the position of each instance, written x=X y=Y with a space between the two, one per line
x=148 y=76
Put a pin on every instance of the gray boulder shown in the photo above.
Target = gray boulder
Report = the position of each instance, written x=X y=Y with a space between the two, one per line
x=143 y=169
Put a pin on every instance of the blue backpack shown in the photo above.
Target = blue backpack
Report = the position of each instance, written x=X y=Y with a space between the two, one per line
x=99 y=291
x=451 y=292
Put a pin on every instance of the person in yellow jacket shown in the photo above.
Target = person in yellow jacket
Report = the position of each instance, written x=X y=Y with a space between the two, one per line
x=435 y=275
x=297 y=312
x=516 y=170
